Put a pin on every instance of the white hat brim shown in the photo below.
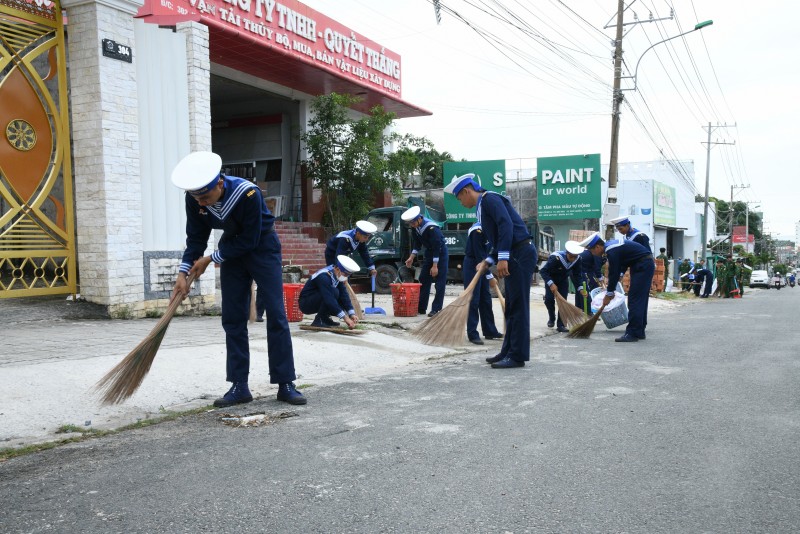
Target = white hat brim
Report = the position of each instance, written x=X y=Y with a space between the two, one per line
x=196 y=170
x=573 y=247
x=411 y=213
x=348 y=263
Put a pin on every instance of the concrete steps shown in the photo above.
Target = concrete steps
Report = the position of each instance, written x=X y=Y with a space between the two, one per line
x=302 y=245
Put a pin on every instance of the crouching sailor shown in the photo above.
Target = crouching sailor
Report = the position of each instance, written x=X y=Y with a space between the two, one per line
x=325 y=294
x=560 y=267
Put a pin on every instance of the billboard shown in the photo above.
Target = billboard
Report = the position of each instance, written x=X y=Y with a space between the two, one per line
x=491 y=175
x=663 y=204
x=568 y=187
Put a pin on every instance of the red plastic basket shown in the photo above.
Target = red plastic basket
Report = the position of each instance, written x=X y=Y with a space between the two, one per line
x=405 y=299
x=291 y=301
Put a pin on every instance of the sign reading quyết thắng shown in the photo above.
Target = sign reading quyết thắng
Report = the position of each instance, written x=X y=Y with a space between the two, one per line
x=292 y=29
x=490 y=175
x=663 y=204
x=568 y=187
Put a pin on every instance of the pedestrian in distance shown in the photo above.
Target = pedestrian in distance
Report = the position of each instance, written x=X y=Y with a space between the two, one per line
x=562 y=266
x=248 y=250
x=350 y=241
x=624 y=255
x=515 y=256
x=325 y=294
x=629 y=233
x=480 y=307
x=428 y=236
x=664 y=258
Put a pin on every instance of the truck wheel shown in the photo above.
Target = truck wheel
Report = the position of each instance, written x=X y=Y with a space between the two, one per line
x=387 y=274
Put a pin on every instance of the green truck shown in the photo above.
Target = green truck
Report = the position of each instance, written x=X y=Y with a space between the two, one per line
x=391 y=245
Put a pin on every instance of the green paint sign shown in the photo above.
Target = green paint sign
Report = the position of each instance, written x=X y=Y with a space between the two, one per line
x=568 y=187
x=491 y=175
x=663 y=204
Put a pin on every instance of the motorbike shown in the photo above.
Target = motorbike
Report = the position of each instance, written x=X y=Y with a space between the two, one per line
x=776 y=282
x=791 y=282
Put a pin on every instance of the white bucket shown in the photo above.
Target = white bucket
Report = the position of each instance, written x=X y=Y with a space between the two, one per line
x=616 y=313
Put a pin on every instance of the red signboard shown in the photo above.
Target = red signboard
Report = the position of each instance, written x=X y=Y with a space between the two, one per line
x=291 y=29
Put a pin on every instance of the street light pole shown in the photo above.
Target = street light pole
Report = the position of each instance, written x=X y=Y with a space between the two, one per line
x=709 y=144
x=618 y=98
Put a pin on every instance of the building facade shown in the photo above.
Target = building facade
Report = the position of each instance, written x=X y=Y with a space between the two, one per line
x=151 y=82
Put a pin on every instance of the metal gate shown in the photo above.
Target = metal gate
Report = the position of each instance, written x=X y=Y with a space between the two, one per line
x=37 y=243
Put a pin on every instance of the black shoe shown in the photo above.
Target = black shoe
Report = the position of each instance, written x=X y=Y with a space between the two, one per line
x=562 y=329
x=627 y=339
x=238 y=394
x=288 y=393
x=330 y=323
x=431 y=314
x=643 y=336
x=507 y=363
x=476 y=341
x=490 y=338
x=551 y=324
x=259 y=319
x=494 y=359
x=318 y=322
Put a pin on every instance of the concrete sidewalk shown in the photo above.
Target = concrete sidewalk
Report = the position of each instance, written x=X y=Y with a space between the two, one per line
x=53 y=352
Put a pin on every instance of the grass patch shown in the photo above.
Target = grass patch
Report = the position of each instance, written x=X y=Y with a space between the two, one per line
x=154 y=314
x=90 y=433
x=69 y=429
x=304 y=386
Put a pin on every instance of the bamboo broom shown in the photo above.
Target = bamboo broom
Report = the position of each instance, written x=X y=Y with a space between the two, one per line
x=569 y=314
x=123 y=380
x=583 y=331
x=354 y=301
x=449 y=326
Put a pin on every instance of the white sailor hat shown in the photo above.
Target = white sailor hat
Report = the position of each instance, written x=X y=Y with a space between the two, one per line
x=458 y=183
x=620 y=221
x=573 y=247
x=366 y=227
x=198 y=172
x=347 y=264
x=410 y=214
x=590 y=241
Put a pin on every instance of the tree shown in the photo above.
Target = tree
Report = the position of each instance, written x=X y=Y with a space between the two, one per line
x=347 y=157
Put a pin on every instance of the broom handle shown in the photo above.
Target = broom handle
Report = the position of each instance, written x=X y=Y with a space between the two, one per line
x=475 y=278
x=496 y=287
x=174 y=303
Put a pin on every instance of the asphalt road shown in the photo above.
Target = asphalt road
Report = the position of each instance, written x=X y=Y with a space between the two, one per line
x=693 y=430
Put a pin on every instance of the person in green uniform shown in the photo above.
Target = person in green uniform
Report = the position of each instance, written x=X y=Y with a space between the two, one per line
x=684 y=269
x=722 y=289
x=730 y=276
x=741 y=275
x=663 y=257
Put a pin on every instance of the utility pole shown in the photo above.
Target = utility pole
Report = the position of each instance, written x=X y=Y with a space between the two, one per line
x=747 y=226
x=709 y=144
x=617 y=100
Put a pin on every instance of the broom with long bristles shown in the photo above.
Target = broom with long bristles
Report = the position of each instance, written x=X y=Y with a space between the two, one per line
x=449 y=326
x=354 y=301
x=123 y=380
x=569 y=314
x=585 y=330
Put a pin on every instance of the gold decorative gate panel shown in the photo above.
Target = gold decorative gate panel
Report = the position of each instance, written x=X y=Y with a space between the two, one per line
x=37 y=244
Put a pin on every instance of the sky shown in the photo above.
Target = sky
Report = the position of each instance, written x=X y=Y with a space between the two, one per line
x=519 y=79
